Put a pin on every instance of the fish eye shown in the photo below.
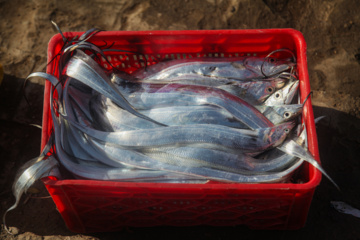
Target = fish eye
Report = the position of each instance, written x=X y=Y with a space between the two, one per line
x=277 y=95
x=270 y=89
x=287 y=114
x=271 y=60
x=287 y=130
x=212 y=68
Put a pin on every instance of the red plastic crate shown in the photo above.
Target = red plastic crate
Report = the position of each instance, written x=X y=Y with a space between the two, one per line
x=99 y=206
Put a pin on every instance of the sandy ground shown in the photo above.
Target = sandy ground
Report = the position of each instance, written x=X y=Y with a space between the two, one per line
x=332 y=33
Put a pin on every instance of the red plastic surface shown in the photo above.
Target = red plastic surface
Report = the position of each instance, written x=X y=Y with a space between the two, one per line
x=96 y=206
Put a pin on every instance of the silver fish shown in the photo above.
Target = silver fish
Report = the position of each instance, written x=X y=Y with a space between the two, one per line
x=178 y=165
x=234 y=68
x=247 y=140
x=30 y=172
x=114 y=118
x=254 y=91
x=284 y=95
x=185 y=95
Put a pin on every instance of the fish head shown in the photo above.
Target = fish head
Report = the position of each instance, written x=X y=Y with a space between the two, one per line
x=284 y=95
x=278 y=133
x=266 y=88
x=291 y=91
x=268 y=66
x=288 y=112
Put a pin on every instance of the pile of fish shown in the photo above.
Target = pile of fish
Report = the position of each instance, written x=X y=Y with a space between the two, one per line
x=183 y=120
x=178 y=121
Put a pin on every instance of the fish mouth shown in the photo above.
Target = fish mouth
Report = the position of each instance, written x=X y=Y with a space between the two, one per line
x=292 y=91
x=289 y=62
x=296 y=112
